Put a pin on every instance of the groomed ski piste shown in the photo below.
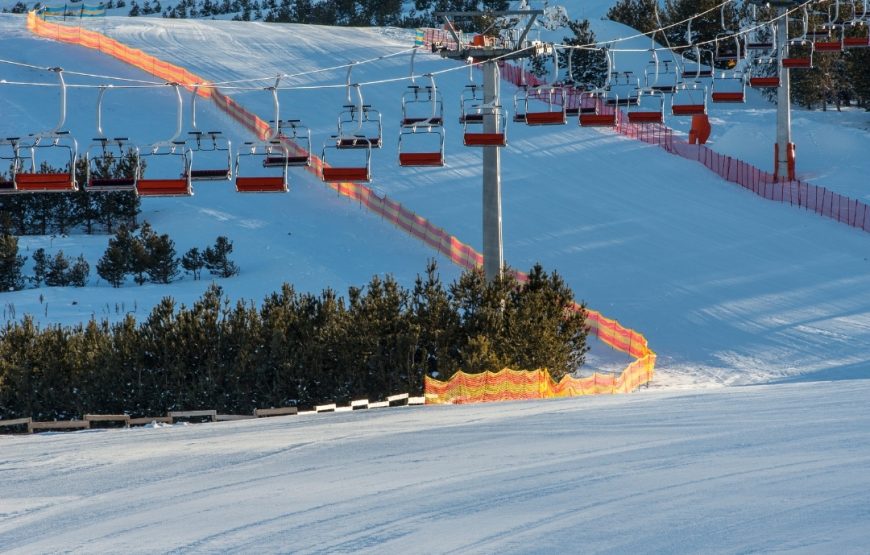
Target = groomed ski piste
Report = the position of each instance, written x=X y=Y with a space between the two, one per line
x=728 y=288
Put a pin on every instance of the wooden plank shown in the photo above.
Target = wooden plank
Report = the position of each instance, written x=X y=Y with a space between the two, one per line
x=325 y=408
x=18 y=422
x=145 y=420
x=280 y=411
x=396 y=400
x=416 y=400
x=379 y=405
x=125 y=418
x=212 y=414
x=61 y=425
x=232 y=417
x=359 y=404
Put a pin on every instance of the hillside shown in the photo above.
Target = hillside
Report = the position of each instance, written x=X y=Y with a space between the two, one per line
x=727 y=287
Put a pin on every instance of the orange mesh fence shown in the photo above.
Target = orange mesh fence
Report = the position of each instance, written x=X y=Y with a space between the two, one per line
x=605 y=329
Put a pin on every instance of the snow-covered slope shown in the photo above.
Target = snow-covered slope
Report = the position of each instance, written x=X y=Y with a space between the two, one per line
x=728 y=288
x=774 y=469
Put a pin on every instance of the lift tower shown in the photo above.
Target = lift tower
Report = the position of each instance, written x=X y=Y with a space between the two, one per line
x=488 y=51
x=784 y=150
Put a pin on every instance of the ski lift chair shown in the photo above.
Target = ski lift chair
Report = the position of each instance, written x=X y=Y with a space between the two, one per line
x=357 y=172
x=859 y=35
x=595 y=111
x=803 y=59
x=470 y=98
x=359 y=125
x=729 y=87
x=421 y=139
x=553 y=98
x=497 y=137
x=266 y=155
x=209 y=144
x=649 y=109
x=43 y=148
x=699 y=70
x=764 y=73
x=689 y=99
x=167 y=152
x=104 y=153
x=554 y=112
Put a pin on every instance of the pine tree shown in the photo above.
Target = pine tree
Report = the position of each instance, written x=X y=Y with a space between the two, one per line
x=436 y=324
x=588 y=67
x=637 y=14
x=40 y=266
x=163 y=263
x=112 y=267
x=217 y=258
x=10 y=264
x=58 y=271
x=79 y=272
x=193 y=262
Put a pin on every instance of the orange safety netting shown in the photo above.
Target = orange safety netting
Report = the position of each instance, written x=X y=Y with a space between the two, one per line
x=609 y=331
x=513 y=385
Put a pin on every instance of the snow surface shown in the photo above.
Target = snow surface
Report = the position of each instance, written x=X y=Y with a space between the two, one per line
x=762 y=469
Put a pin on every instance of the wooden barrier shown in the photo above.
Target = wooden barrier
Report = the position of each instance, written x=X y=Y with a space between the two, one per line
x=125 y=418
x=417 y=400
x=359 y=404
x=234 y=417
x=60 y=425
x=280 y=411
x=398 y=400
x=379 y=405
x=18 y=422
x=210 y=414
x=325 y=408
x=145 y=420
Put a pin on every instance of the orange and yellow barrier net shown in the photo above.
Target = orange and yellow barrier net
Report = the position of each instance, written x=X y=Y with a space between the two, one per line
x=513 y=385
x=609 y=331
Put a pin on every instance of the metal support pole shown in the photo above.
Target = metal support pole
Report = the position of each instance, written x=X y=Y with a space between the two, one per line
x=783 y=103
x=492 y=241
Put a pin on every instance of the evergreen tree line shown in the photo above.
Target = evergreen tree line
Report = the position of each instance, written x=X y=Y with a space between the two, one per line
x=46 y=213
x=295 y=349
x=149 y=256
x=58 y=270
x=146 y=256
x=838 y=78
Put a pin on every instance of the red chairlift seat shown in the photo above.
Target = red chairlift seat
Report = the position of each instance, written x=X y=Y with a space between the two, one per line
x=688 y=109
x=856 y=42
x=421 y=159
x=728 y=96
x=211 y=175
x=546 y=118
x=358 y=142
x=111 y=184
x=340 y=175
x=645 y=117
x=598 y=120
x=762 y=82
x=290 y=160
x=484 y=139
x=45 y=182
x=828 y=46
x=803 y=62
x=164 y=187
x=261 y=184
